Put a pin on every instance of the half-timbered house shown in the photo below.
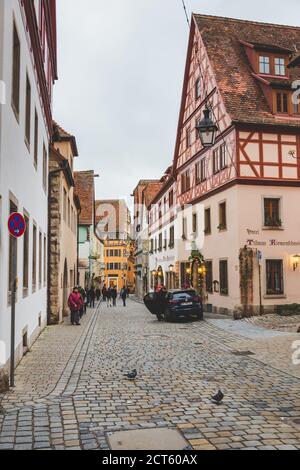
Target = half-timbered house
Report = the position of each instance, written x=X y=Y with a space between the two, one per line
x=237 y=222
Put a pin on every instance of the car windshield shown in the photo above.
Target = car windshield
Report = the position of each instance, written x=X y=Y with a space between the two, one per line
x=183 y=295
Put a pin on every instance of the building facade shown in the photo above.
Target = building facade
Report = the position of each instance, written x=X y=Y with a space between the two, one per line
x=143 y=196
x=89 y=244
x=236 y=234
x=64 y=210
x=114 y=228
x=28 y=70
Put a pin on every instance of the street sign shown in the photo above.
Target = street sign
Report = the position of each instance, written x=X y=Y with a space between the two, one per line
x=260 y=257
x=16 y=225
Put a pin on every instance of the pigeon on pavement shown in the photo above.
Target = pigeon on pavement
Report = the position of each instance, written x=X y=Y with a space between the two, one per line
x=131 y=375
x=218 y=398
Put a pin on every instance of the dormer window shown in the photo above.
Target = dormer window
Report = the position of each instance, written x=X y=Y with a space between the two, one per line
x=264 y=65
x=280 y=66
x=282 y=102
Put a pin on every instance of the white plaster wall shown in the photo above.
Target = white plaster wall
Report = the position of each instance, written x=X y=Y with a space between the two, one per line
x=18 y=176
x=250 y=209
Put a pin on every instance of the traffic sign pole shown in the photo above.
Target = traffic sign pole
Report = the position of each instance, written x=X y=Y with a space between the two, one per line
x=13 y=312
x=17 y=228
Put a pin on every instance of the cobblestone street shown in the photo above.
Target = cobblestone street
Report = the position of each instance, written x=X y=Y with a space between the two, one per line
x=70 y=389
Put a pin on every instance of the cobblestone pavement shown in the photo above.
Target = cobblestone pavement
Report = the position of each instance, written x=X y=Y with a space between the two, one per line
x=276 y=322
x=71 y=391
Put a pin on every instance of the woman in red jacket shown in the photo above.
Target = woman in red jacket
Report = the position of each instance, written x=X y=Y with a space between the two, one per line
x=75 y=303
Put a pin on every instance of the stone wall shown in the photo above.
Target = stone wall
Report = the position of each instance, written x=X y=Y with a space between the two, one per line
x=54 y=242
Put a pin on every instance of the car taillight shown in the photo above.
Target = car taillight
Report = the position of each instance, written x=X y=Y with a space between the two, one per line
x=174 y=302
x=197 y=299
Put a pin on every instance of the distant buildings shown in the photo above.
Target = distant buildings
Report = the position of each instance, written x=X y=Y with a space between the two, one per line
x=114 y=228
x=90 y=251
x=143 y=196
x=224 y=221
x=64 y=210
x=28 y=69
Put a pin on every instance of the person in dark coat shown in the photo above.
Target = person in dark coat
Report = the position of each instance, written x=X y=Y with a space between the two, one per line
x=92 y=297
x=104 y=293
x=87 y=297
x=114 y=295
x=98 y=294
x=109 y=297
x=123 y=295
x=161 y=302
x=83 y=295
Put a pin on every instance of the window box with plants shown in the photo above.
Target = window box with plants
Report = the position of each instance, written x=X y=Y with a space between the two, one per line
x=273 y=224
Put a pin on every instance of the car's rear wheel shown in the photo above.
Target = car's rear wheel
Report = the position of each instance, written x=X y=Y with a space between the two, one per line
x=168 y=315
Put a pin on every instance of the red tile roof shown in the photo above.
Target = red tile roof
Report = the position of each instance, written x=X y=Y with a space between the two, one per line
x=85 y=190
x=60 y=135
x=242 y=93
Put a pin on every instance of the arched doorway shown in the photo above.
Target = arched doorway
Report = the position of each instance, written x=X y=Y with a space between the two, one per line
x=65 y=290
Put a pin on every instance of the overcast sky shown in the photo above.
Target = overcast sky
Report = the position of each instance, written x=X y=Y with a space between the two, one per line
x=121 y=65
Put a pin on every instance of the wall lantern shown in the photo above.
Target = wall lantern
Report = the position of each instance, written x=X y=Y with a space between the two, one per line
x=154 y=273
x=188 y=270
x=207 y=129
x=171 y=268
x=296 y=261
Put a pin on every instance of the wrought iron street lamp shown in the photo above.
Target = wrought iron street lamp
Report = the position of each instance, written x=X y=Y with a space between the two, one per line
x=207 y=129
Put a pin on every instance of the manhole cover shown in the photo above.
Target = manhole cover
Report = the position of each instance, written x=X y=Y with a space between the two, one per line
x=147 y=439
x=243 y=353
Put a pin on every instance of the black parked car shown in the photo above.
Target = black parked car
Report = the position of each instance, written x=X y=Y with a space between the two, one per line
x=174 y=304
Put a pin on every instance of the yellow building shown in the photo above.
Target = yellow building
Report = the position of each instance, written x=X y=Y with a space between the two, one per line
x=119 y=267
x=114 y=228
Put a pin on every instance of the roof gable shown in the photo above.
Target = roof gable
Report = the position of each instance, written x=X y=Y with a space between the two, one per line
x=242 y=93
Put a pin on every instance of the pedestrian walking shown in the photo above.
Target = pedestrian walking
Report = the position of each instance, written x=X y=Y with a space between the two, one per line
x=98 y=294
x=123 y=295
x=161 y=302
x=114 y=295
x=109 y=297
x=104 y=293
x=87 y=297
x=75 y=303
x=92 y=297
x=83 y=295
